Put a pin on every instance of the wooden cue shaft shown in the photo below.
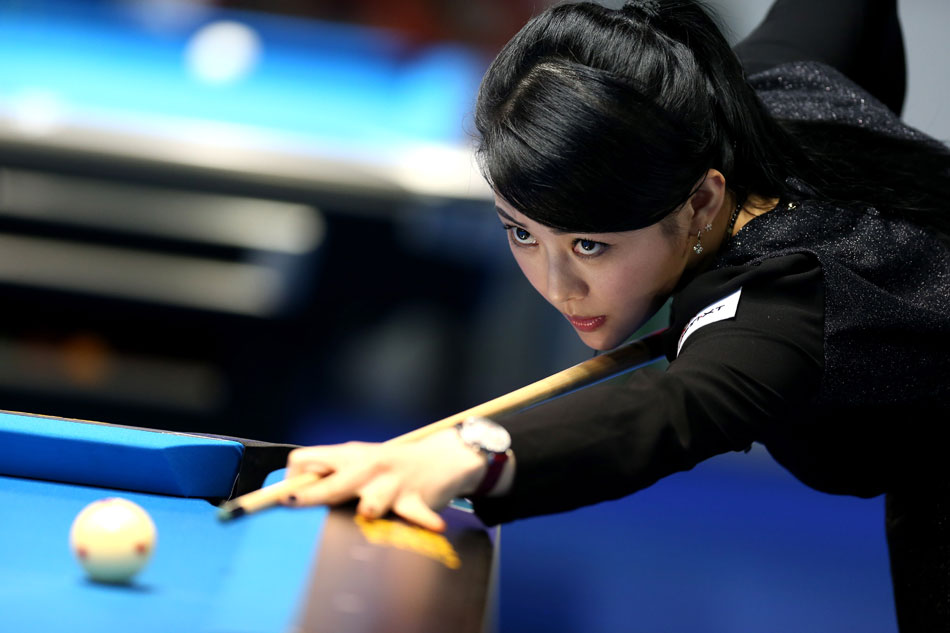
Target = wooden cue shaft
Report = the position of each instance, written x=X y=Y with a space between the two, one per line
x=580 y=375
x=585 y=373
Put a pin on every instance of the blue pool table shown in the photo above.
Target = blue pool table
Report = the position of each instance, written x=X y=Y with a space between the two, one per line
x=309 y=569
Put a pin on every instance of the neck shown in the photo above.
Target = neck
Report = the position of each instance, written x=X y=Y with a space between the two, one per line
x=729 y=220
x=754 y=206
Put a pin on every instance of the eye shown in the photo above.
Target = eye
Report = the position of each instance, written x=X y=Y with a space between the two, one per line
x=589 y=248
x=520 y=236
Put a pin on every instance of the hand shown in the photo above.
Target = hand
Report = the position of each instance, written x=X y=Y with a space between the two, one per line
x=412 y=479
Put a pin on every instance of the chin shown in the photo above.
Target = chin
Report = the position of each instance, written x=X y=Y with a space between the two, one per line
x=600 y=342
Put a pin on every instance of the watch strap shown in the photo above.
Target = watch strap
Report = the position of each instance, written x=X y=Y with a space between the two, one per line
x=496 y=464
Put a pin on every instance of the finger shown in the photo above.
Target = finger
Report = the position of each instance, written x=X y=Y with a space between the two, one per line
x=341 y=486
x=317 y=468
x=307 y=460
x=321 y=460
x=411 y=507
x=377 y=496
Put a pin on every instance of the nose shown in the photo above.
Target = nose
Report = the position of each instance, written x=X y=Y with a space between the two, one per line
x=564 y=283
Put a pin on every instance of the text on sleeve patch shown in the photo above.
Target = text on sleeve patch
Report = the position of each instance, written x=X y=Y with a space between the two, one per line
x=720 y=310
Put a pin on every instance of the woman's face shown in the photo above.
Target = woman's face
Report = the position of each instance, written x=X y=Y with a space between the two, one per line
x=605 y=284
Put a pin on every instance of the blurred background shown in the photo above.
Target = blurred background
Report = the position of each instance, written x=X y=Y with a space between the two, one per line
x=263 y=219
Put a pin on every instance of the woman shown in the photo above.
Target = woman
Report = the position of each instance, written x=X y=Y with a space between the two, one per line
x=799 y=227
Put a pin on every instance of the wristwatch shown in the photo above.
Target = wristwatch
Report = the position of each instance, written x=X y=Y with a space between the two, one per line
x=491 y=440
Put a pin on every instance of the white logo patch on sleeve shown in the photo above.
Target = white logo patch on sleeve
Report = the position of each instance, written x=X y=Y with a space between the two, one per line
x=720 y=310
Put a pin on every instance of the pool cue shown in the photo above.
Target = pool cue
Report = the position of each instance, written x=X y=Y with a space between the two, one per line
x=616 y=361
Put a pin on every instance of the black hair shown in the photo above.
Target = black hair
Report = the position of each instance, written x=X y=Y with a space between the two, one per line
x=598 y=120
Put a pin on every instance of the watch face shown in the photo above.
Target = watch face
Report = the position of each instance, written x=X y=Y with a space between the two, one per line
x=487 y=435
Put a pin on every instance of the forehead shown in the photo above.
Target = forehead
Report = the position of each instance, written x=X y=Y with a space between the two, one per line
x=505 y=209
x=511 y=214
x=508 y=212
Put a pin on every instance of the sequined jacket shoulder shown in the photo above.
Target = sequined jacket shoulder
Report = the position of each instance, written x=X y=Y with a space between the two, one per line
x=809 y=91
x=887 y=281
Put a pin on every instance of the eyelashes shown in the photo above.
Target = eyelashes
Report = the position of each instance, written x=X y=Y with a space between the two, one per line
x=522 y=238
x=589 y=248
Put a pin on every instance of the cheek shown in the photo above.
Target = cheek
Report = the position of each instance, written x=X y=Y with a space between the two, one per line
x=644 y=280
x=530 y=268
x=670 y=264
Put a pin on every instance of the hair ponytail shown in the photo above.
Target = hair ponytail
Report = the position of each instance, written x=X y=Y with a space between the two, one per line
x=748 y=135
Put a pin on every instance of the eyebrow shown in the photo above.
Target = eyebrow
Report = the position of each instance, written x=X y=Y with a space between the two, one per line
x=502 y=213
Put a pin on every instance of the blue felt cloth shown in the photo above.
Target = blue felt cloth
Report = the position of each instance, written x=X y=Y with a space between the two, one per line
x=243 y=576
x=117 y=457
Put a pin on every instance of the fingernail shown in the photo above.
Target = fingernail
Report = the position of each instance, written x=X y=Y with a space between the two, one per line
x=292 y=499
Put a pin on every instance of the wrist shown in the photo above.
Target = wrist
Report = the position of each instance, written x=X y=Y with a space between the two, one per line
x=490 y=443
x=474 y=467
x=469 y=466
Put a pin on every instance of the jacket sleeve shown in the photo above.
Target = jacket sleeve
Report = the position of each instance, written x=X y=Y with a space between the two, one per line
x=732 y=380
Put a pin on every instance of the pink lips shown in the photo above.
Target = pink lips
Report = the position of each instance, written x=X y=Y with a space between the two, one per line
x=587 y=324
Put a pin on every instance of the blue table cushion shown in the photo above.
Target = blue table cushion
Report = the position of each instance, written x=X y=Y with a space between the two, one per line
x=117 y=457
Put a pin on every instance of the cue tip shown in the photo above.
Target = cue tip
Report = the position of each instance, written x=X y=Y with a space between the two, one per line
x=226 y=514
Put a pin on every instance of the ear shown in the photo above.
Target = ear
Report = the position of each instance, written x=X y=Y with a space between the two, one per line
x=706 y=201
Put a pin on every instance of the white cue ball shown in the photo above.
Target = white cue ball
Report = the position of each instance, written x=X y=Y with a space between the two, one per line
x=112 y=539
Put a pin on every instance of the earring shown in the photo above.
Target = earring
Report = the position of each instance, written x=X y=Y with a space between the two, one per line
x=698 y=248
